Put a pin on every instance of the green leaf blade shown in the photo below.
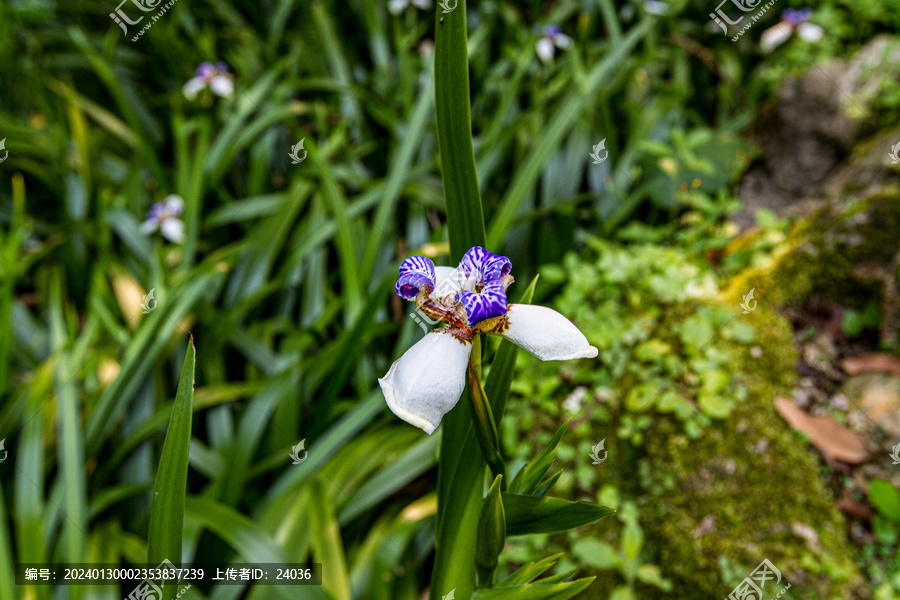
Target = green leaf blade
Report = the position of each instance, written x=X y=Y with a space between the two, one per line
x=534 y=514
x=167 y=508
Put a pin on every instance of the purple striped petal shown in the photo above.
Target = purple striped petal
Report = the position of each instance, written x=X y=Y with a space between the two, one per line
x=206 y=69
x=156 y=212
x=490 y=302
x=484 y=265
x=416 y=273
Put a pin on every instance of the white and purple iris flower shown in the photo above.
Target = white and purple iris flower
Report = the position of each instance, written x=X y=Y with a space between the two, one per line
x=210 y=76
x=165 y=216
x=427 y=381
x=552 y=39
x=792 y=21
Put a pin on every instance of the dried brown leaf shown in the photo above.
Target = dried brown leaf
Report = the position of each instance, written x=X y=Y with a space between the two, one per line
x=830 y=437
x=876 y=362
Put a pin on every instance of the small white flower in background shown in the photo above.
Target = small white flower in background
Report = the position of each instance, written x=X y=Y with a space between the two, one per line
x=792 y=21
x=165 y=217
x=595 y=452
x=895 y=154
x=149 y=303
x=896 y=454
x=656 y=7
x=572 y=403
x=398 y=6
x=651 y=7
x=296 y=450
x=213 y=77
x=748 y=304
x=551 y=39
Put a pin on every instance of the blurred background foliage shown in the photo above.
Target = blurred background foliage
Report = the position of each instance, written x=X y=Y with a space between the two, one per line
x=285 y=273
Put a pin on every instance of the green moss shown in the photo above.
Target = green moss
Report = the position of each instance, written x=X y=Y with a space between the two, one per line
x=821 y=255
x=751 y=480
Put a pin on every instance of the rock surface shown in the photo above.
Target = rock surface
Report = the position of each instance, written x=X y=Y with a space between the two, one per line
x=810 y=127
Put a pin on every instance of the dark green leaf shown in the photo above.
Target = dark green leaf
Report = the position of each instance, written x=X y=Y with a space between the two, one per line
x=529 y=476
x=167 y=508
x=533 y=514
x=535 y=591
x=491 y=534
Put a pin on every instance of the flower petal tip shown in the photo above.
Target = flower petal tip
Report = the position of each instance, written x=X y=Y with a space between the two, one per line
x=388 y=390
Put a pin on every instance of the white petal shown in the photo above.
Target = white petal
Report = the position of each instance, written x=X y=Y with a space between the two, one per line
x=562 y=40
x=545 y=49
x=193 y=87
x=810 y=32
x=422 y=4
x=427 y=381
x=173 y=205
x=448 y=281
x=222 y=86
x=172 y=229
x=397 y=6
x=775 y=36
x=656 y=7
x=546 y=333
x=149 y=226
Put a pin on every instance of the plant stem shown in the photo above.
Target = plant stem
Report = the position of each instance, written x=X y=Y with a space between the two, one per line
x=485 y=427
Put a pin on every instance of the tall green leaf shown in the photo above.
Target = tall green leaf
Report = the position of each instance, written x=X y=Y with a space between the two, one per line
x=461 y=465
x=167 y=508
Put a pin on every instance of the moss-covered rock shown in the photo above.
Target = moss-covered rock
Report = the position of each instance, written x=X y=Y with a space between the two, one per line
x=842 y=252
x=745 y=491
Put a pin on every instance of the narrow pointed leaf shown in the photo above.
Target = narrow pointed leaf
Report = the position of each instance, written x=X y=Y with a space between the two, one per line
x=167 y=508
x=544 y=488
x=535 y=591
x=529 y=476
x=491 y=534
x=533 y=514
x=530 y=571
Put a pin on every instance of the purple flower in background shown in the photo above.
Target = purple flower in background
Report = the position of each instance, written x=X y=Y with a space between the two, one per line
x=427 y=381
x=165 y=217
x=210 y=76
x=552 y=39
x=792 y=21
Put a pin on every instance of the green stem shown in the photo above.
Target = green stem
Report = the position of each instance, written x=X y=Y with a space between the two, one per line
x=485 y=427
x=461 y=466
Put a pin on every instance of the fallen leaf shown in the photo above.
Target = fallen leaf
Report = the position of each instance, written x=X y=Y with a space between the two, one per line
x=830 y=437
x=854 y=508
x=871 y=363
